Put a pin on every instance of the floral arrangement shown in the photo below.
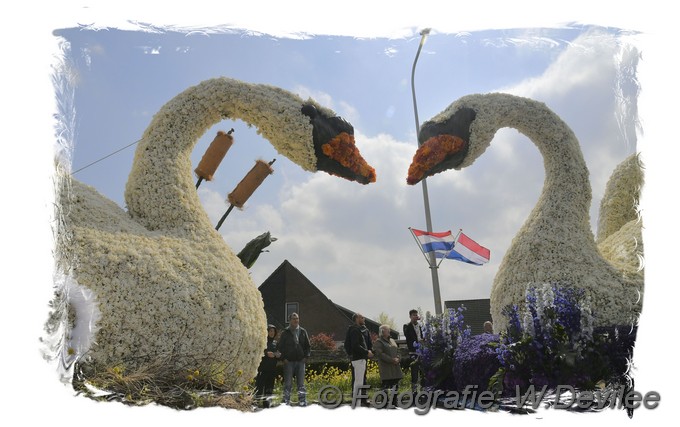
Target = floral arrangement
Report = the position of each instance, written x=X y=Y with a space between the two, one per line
x=162 y=281
x=442 y=335
x=552 y=341
x=475 y=361
x=555 y=244
x=343 y=149
x=434 y=153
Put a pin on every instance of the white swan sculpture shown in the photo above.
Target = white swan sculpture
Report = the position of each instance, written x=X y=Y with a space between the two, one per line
x=159 y=281
x=555 y=244
x=619 y=226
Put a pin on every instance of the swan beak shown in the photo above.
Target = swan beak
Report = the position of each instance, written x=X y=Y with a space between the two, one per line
x=437 y=154
x=343 y=150
x=334 y=146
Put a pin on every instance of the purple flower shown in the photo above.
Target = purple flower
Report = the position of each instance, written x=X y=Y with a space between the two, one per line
x=549 y=348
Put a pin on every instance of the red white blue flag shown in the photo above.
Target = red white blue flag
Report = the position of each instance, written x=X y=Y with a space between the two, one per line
x=467 y=250
x=446 y=246
x=439 y=243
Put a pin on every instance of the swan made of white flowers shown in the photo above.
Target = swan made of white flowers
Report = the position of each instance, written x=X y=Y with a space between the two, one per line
x=157 y=282
x=619 y=227
x=555 y=244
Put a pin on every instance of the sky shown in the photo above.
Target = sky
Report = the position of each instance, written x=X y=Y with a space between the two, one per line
x=352 y=241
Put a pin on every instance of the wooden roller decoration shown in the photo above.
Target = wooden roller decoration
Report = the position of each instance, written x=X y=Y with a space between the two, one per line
x=247 y=187
x=249 y=183
x=213 y=156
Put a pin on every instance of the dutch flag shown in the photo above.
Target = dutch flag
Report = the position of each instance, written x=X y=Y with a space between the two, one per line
x=440 y=243
x=445 y=245
x=467 y=250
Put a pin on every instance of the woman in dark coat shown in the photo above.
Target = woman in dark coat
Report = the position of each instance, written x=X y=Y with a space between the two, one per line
x=266 y=372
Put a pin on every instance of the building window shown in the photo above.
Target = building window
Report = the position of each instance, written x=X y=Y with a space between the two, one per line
x=291 y=307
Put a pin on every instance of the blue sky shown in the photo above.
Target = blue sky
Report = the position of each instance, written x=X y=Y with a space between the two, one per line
x=351 y=240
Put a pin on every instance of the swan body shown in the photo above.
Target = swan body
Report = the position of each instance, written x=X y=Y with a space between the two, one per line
x=555 y=244
x=619 y=227
x=164 y=283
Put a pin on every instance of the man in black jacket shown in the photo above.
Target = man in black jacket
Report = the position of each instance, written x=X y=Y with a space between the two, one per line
x=295 y=348
x=413 y=334
x=266 y=372
x=360 y=345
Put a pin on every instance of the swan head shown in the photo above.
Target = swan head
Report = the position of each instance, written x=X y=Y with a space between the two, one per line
x=442 y=145
x=334 y=147
x=457 y=136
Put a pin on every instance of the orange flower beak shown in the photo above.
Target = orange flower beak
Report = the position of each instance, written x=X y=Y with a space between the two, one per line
x=437 y=154
x=334 y=147
x=342 y=150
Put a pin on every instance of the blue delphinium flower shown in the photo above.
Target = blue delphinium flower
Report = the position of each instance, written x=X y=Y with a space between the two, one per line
x=556 y=342
x=441 y=337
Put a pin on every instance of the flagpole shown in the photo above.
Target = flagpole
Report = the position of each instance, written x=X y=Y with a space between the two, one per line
x=426 y=199
x=455 y=239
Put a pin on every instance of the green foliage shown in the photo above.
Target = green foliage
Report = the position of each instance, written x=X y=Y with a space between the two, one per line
x=384 y=319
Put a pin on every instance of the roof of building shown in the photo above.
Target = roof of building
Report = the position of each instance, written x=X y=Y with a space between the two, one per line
x=286 y=273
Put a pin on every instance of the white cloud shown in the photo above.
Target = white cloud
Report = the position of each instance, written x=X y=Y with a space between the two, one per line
x=319 y=96
x=347 y=111
x=213 y=203
x=391 y=51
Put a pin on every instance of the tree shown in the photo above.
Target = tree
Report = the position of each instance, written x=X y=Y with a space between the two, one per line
x=384 y=319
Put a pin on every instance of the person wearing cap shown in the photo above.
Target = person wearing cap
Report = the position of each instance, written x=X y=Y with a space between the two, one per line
x=266 y=372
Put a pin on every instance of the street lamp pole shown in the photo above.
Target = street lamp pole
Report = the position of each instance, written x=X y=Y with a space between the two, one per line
x=426 y=199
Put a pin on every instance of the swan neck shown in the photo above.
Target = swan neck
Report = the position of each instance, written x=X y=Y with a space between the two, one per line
x=160 y=192
x=566 y=194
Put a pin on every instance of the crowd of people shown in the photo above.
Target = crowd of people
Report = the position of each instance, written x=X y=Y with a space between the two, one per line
x=293 y=348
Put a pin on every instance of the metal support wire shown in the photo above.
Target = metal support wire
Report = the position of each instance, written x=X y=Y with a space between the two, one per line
x=105 y=157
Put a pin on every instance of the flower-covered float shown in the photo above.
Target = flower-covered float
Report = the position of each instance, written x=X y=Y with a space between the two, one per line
x=156 y=283
x=555 y=245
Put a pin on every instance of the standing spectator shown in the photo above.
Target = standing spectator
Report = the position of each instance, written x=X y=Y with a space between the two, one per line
x=359 y=349
x=488 y=327
x=294 y=347
x=413 y=334
x=266 y=372
x=387 y=353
